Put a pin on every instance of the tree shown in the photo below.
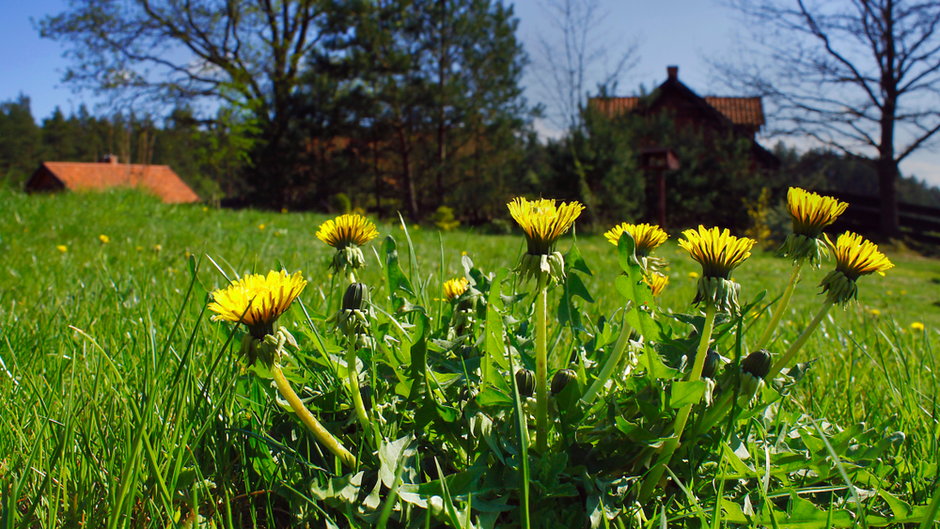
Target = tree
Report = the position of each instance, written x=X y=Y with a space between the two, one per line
x=22 y=141
x=433 y=87
x=577 y=54
x=860 y=76
x=248 y=54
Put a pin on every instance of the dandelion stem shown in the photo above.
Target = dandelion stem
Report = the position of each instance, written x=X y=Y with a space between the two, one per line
x=323 y=436
x=613 y=360
x=541 y=366
x=353 y=374
x=795 y=346
x=781 y=307
x=671 y=444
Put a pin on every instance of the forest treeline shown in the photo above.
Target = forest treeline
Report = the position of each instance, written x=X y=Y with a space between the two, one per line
x=597 y=164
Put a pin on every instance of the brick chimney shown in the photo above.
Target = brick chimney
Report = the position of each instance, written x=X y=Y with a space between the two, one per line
x=110 y=158
x=672 y=72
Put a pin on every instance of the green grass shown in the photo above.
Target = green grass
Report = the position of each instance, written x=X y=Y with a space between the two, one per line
x=122 y=404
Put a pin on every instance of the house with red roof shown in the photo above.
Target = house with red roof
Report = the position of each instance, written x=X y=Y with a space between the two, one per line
x=742 y=116
x=160 y=180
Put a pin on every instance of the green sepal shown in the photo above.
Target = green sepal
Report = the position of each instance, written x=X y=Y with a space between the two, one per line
x=802 y=248
x=542 y=267
x=717 y=291
x=839 y=288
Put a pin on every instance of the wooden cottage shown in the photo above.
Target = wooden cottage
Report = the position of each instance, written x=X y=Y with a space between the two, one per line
x=742 y=116
x=159 y=180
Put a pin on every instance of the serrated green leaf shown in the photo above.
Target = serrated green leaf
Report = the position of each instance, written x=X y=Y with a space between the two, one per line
x=686 y=392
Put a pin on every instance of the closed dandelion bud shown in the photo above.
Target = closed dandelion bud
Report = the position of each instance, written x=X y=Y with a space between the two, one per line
x=561 y=380
x=356 y=297
x=712 y=361
x=366 y=393
x=525 y=380
x=758 y=363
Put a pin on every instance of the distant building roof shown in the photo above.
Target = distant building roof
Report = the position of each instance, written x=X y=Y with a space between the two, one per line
x=740 y=110
x=77 y=176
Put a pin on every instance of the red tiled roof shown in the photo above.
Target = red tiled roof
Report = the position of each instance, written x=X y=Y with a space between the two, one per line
x=158 y=179
x=612 y=106
x=740 y=110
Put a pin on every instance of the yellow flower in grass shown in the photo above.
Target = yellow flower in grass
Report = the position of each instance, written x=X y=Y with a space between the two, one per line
x=62 y=248
x=104 y=239
x=855 y=257
x=257 y=300
x=716 y=250
x=347 y=233
x=657 y=282
x=346 y=230
x=811 y=214
x=719 y=253
x=874 y=312
x=646 y=236
x=455 y=287
x=917 y=326
x=543 y=221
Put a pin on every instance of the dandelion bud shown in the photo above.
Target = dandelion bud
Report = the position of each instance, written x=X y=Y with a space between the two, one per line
x=525 y=380
x=561 y=380
x=712 y=361
x=356 y=297
x=757 y=363
x=365 y=393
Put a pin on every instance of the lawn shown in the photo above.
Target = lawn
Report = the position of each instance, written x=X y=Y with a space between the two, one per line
x=124 y=405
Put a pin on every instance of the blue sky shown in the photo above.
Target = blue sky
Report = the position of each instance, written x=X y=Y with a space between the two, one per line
x=681 y=32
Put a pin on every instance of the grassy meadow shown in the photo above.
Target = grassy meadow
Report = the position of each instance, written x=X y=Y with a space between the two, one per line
x=123 y=405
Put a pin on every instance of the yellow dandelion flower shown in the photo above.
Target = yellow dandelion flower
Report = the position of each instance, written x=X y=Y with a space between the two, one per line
x=856 y=256
x=262 y=226
x=205 y=208
x=463 y=252
x=543 y=221
x=104 y=239
x=811 y=212
x=693 y=275
x=647 y=236
x=716 y=250
x=257 y=300
x=874 y=312
x=455 y=287
x=283 y=210
x=139 y=248
x=917 y=326
x=345 y=230
x=657 y=282
x=157 y=248
x=62 y=248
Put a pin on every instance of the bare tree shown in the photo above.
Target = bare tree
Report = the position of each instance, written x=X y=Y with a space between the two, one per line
x=573 y=54
x=860 y=76
x=248 y=53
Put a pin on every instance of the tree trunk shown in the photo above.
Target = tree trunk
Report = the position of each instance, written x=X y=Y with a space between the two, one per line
x=887 y=178
x=410 y=198
x=887 y=166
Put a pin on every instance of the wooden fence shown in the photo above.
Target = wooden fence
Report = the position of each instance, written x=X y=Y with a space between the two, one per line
x=918 y=223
